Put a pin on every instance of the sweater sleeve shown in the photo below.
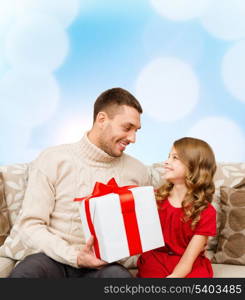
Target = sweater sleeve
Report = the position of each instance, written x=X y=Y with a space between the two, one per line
x=155 y=175
x=38 y=205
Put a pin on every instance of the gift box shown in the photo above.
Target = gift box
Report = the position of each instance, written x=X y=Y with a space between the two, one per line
x=123 y=220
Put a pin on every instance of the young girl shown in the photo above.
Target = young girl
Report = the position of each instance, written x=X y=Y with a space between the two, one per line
x=186 y=215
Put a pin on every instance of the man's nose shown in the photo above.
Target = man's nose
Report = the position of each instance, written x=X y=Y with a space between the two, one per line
x=132 y=137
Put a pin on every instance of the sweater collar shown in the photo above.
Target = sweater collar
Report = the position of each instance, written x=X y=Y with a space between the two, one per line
x=91 y=152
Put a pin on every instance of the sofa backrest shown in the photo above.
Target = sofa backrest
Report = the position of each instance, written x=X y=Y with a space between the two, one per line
x=227 y=174
x=15 y=179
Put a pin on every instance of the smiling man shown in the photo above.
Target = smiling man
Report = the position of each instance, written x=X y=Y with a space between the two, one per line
x=116 y=121
x=50 y=225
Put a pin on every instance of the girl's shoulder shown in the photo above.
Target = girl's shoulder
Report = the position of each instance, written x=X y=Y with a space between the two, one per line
x=211 y=207
x=209 y=210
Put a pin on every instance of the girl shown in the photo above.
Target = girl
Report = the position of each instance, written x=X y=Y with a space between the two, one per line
x=186 y=215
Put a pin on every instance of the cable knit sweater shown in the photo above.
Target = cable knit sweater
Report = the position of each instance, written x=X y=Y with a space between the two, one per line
x=50 y=220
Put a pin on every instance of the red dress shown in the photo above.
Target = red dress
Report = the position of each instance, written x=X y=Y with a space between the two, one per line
x=177 y=234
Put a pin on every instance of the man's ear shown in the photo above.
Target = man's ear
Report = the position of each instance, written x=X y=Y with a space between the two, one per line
x=101 y=118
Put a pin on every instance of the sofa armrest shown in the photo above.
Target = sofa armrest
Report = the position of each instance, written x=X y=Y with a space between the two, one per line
x=6 y=266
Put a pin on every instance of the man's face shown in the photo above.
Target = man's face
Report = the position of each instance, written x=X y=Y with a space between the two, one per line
x=119 y=131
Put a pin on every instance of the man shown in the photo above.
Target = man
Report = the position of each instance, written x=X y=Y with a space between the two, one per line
x=50 y=222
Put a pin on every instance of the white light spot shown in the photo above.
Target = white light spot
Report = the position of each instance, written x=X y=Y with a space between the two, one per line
x=72 y=129
x=14 y=141
x=36 y=42
x=7 y=13
x=233 y=70
x=223 y=135
x=225 y=19
x=180 y=10
x=168 y=89
x=64 y=10
x=3 y=66
x=28 y=154
x=28 y=98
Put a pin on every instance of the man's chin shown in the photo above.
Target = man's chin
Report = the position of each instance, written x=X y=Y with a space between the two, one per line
x=118 y=154
x=115 y=153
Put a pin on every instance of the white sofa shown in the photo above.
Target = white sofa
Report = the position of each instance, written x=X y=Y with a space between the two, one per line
x=14 y=181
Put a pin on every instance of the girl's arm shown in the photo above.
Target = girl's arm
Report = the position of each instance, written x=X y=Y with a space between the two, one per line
x=184 y=266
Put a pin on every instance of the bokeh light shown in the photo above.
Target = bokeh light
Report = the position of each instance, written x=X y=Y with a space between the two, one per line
x=36 y=42
x=225 y=19
x=16 y=140
x=28 y=98
x=224 y=136
x=168 y=89
x=177 y=10
x=233 y=70
x=64 y=10
x=72 y=129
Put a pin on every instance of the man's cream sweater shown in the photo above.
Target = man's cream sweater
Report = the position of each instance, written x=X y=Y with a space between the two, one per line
x=50 y=220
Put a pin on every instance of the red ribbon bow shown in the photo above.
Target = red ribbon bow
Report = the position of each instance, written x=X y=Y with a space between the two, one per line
x=128 y=212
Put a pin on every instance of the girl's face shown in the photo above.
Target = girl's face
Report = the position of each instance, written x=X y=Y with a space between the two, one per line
x=175 y=169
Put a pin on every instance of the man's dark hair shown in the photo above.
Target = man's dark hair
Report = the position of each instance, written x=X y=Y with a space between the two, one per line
x=111 y=99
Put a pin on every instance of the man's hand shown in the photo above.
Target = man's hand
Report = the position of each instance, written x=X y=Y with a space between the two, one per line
x=86 y=258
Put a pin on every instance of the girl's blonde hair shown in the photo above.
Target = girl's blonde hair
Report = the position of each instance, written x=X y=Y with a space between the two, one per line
x=199 y=159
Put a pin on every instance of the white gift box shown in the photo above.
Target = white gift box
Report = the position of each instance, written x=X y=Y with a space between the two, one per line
x=109 y=224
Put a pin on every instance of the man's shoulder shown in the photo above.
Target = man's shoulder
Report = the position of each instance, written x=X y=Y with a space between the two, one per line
x=131 y=158
x=55 y=149
x=133 y=162
x=55 y=153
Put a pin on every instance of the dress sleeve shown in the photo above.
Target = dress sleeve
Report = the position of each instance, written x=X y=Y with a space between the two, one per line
x=207 y=223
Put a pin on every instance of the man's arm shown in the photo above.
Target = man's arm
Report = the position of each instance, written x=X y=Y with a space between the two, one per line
x=37 y=207
x=156 y=175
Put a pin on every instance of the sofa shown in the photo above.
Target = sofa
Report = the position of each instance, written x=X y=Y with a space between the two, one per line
x=226 y=250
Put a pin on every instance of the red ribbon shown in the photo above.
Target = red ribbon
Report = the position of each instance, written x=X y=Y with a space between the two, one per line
x=127 y=208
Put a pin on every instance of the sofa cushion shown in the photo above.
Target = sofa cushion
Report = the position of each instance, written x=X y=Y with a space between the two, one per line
x=13 y=247
x=227 y=174
x=231 y=240
x=228 y=271
x=15 y=182
x=6 y=266
x=220 y=271
x=4 y=217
